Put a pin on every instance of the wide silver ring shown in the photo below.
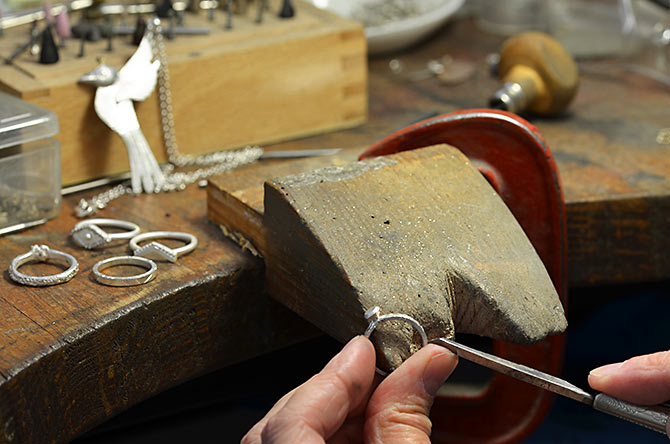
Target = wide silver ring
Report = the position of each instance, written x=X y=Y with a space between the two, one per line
x=157 y=251
x=375 y=319
x=124 y=281
x=42 y=253
x=89 y=234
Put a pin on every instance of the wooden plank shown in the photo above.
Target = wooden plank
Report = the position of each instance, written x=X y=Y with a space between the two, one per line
x=296 y=77
x=73 y=355
x=21 y=84
x=235 y=200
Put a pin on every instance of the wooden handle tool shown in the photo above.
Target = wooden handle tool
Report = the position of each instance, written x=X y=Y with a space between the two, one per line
x=539 y=75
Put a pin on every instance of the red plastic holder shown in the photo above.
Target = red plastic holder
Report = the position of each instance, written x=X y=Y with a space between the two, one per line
x=515 y=159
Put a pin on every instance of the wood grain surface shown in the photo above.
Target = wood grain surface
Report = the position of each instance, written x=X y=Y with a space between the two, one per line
x=73 y=355
x=389 y=232
x=283 y=79
x=76 y=354
x=615 y=174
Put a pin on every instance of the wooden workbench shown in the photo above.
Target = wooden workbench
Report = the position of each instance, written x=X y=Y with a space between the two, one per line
x=74 y=355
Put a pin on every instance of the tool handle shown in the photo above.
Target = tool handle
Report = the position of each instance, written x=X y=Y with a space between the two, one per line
x=652 y=417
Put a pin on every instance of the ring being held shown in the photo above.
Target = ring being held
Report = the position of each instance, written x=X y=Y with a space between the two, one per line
x=42 y=253
x=158 y=251
x=89 y=234
x=124 y=281
x=375 y=319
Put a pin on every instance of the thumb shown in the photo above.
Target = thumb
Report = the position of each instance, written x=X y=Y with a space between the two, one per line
x=640 y=380
x=398 y=410
x=319 y=407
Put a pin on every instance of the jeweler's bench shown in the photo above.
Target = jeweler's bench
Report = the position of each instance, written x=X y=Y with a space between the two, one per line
x=73 y=355
x=252 y=84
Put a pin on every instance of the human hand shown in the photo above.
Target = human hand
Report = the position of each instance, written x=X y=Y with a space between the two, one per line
x=643 y=380
x=341 y=404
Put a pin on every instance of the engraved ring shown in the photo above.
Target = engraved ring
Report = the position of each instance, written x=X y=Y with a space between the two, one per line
x=124 y=281
x=42 y=253
x=157 y=251
x=375 y=319
x=89 y=235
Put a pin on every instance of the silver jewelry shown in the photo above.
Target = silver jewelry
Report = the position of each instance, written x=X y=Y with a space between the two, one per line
x=89 y=235
x=214 y=163
x=375 y=319
x=158 y=251
x=124 y=281
x=42 y=253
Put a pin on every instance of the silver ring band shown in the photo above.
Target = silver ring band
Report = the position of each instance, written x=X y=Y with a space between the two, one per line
x=375 y=319
x=89 y=235
x=124 y=281
x=158 y=251
x=42 y=253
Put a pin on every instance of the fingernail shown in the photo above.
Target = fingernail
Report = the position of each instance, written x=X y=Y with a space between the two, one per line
x=437 y=370
x=606 y=370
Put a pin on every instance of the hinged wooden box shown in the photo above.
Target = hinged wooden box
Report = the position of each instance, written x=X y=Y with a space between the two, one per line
x=253 y=84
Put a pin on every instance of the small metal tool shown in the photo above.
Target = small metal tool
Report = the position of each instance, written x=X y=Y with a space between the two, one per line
x=651 y=417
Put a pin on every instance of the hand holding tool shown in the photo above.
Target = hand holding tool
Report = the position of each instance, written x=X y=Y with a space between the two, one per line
x=651 y=417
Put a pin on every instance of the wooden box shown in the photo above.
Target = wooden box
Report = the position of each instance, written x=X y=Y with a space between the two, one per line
x=254 y=84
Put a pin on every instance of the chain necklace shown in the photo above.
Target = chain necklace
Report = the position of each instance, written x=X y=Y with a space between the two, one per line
x=213 y=163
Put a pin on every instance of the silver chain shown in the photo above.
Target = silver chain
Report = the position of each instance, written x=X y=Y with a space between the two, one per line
x=214 y=163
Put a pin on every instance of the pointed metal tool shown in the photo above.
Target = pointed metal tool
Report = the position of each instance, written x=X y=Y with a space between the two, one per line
x=287 y=10
x=48 y=48
x=651 y=417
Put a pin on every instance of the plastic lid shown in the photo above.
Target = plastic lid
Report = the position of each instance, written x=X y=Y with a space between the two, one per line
x=22 y=122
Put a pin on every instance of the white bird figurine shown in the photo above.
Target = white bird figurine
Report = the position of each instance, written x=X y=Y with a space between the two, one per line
x=114 y=105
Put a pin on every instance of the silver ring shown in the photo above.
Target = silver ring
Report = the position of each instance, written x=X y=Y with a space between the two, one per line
x=158 y=251
x=375 y=319
x=124 y=281
x=42 y=253
x=89 y=235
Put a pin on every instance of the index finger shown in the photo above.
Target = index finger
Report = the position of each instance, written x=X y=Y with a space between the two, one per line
x=640 y=380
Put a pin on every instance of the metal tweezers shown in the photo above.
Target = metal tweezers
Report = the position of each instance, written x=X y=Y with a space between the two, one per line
x=652 y=417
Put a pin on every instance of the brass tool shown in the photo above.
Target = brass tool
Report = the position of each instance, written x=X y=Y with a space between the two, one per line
x=651 y=417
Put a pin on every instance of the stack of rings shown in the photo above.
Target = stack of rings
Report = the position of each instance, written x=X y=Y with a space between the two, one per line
x=42 y=253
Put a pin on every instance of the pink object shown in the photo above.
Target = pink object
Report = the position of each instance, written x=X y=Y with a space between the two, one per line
x=48 y=15
x=63 y=25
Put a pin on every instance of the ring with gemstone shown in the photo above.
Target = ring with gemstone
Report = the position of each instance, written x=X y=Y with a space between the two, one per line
x=124 y=281
x=158 y=251
x=89 y=234
x=42 y=253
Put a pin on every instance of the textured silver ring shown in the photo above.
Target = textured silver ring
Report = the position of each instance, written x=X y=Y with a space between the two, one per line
x=42 y=253
x=124 y=281
x=157 y=251
x=375 y=319
x=89 y=234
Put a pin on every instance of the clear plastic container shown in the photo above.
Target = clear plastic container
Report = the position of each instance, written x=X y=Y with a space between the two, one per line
x=30 y=174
